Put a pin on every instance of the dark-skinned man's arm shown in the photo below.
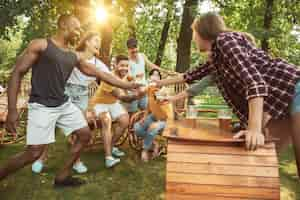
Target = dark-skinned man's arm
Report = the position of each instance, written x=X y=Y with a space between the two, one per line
x=23 y=64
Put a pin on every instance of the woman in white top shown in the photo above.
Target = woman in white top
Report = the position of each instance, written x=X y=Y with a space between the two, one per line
x=77 y=89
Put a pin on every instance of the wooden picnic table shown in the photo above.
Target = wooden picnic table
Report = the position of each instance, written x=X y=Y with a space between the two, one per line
x=204 y=162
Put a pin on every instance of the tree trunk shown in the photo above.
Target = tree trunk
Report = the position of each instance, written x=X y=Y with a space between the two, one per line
x=131 y=23
x=81 y=10
x=267 y=25
x=185 y=36
x=106 y=37
x=163 y=38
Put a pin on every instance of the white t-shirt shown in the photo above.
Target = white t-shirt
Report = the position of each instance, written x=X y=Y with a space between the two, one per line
x=78 y=78
x=138 y=68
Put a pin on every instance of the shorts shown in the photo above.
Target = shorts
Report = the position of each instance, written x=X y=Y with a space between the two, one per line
x=115 y=110
x=138 y=104
x=78 y=95
x=42 y=121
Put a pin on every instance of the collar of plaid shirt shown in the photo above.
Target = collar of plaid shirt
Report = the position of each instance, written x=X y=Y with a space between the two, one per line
x=242 y=72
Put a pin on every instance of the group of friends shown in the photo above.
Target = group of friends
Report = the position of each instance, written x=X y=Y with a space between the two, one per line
x=257 y=87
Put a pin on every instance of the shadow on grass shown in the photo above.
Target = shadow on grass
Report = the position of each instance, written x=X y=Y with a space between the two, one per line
x=130 y=180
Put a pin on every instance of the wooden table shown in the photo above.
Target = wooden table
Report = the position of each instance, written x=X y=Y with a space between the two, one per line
x=204 y=162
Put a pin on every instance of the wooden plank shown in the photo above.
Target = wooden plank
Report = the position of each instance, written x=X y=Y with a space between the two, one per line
x=206 y=179
x=224 y=191
x=178 y=147
x=198 y=168
x=203 y=197
x=200 y=131
x=222 y=159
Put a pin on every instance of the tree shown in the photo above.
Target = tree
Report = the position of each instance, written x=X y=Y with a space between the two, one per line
x=185 y=36
x=164 y=34
x=267 y=25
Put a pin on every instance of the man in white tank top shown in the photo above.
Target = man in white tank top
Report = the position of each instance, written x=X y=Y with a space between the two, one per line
x=137 y=71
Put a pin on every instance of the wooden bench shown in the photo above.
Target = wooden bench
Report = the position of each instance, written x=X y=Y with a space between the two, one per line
x=204 y=162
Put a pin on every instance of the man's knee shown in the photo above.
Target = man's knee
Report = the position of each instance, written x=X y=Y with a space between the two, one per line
x=84 y=135
x=105 y=119
x=124 y=121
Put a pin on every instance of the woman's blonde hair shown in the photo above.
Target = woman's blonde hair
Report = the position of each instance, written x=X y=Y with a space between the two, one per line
x=209 y=26
x=82 y=44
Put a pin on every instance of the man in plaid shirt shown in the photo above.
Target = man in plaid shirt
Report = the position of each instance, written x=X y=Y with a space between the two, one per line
x=256 y=86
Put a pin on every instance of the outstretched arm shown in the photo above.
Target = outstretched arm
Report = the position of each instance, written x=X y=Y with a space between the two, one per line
x=91 y=70
x=154 y=66
x=23 y=64
x=125 y=97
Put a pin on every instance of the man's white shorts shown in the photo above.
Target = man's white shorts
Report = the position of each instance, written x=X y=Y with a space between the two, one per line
x=42 y=121
x=115 y=110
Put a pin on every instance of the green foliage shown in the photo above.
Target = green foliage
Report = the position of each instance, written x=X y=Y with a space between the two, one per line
x=248 y=16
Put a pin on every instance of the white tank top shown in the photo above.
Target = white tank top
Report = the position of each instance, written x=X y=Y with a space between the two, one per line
x=137 y=69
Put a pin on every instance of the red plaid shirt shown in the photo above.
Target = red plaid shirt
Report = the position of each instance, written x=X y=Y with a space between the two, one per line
x=242 y=72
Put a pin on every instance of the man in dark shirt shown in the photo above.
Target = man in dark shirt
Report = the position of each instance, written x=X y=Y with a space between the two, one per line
x=52 y=63
x=256 y=86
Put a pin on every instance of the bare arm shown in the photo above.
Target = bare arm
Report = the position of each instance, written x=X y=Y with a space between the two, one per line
x=255 y=114
x=154 y=66
x=91 y=70
x=124 y=97
x=149 y=63
x=23 y=64
x=171 y=81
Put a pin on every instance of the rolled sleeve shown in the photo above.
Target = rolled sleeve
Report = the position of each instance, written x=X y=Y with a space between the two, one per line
x=199 y=72
x=242 y=66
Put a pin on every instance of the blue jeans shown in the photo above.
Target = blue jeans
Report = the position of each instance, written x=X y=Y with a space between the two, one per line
x=138 y=104
x=78 y=95
x=296 y=101
x=142 y=130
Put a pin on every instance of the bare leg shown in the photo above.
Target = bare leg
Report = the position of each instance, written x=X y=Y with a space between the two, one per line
x=82 y=139
x=72 y=141
x=122 y=124
x=44 y=157
x=31 y=153
x=106 y=132
x=296 y=138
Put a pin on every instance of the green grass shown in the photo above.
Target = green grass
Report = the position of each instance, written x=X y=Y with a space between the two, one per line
x=131 y=180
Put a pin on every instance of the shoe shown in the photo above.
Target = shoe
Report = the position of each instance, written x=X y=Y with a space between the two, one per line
x=80 y=168
x=69 y=182
x=116 y=152
x=37 y=166
x=111 y=161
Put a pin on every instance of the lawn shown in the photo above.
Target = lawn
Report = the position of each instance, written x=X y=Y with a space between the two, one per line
x=131 y=180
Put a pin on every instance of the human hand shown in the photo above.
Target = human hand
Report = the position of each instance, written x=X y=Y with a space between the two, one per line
x=253 y=139
x=12 y=121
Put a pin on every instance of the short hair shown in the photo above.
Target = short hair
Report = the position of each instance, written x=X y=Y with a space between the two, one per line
x=155 y=70
x=121 y=57
x=63 y=19
x=132 y=43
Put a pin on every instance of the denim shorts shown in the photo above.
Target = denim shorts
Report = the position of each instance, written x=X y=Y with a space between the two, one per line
x=78 y=95
x=138 y=104
x=296 y=101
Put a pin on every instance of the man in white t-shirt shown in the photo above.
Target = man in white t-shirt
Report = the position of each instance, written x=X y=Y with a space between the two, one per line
x=137 y=71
